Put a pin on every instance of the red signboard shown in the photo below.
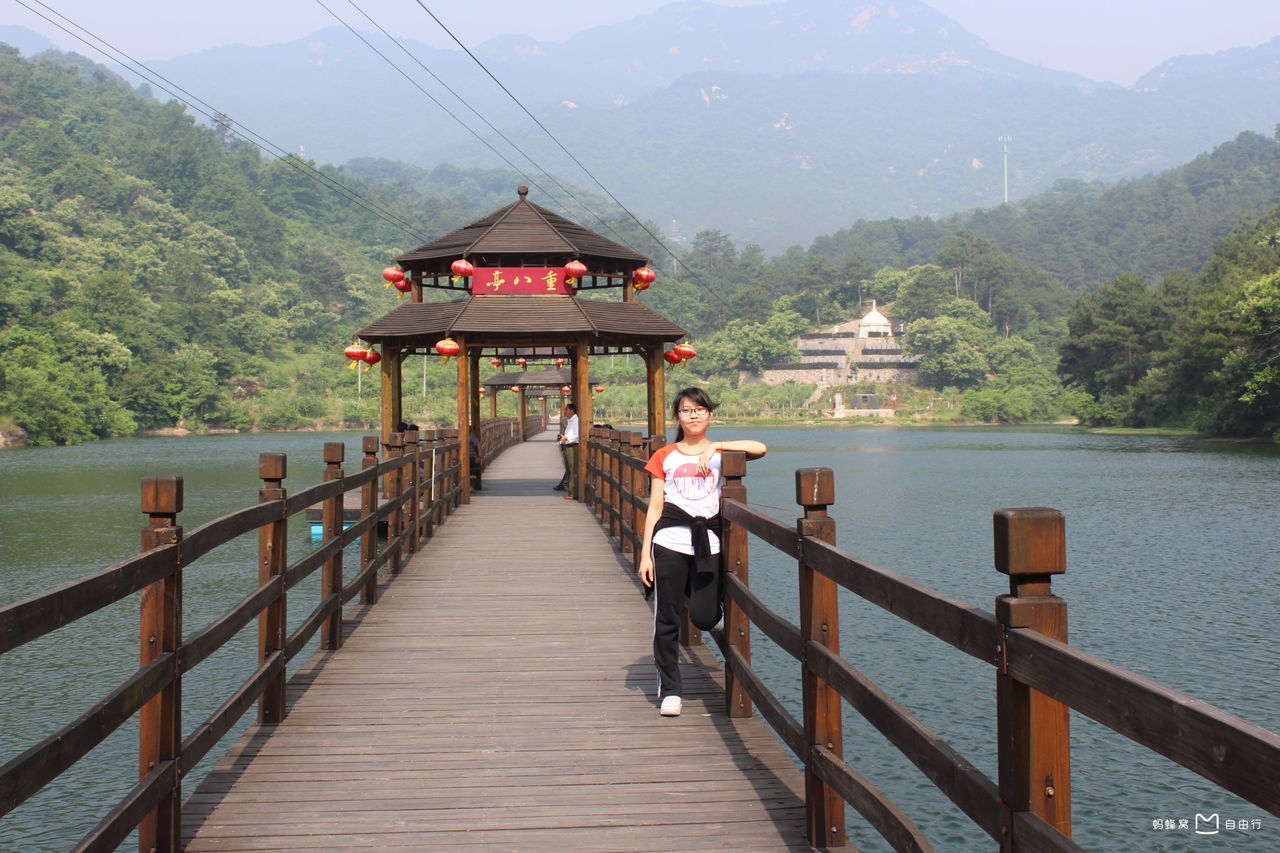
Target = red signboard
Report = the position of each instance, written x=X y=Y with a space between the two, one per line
x=519 y=280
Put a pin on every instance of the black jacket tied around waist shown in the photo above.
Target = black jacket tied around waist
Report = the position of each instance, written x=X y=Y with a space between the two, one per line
x=674 y=516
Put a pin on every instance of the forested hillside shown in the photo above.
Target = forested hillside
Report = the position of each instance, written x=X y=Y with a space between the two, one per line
x=155 y=273
x=1174 y=320
x=1085 y=234
x=1197 y=351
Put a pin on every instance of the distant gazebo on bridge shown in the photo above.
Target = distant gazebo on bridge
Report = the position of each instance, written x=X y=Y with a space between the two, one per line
x=522 y=269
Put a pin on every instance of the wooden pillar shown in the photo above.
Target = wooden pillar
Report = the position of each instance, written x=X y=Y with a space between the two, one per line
x=272 y=559
x=464 y=418
x=473 y=371
x=820 y=625
x=522 y=411
x=369 y=503
x=331 y=577
x=1033 y=731
x=734 y=539
x=493 y=403
x=391 y=389
x=582 y=396
x=657 y=382
x=160 y=633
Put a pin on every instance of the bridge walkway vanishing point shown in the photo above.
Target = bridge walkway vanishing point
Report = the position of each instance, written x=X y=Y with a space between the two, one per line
x=500 y=696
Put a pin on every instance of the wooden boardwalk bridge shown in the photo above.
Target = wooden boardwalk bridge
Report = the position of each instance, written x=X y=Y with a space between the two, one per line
x=500 y=696
x=484 y=679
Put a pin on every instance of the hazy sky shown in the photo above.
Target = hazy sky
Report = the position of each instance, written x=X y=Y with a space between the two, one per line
x=1115 y=40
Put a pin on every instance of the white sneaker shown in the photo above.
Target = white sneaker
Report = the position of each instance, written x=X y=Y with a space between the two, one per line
x=671 y=706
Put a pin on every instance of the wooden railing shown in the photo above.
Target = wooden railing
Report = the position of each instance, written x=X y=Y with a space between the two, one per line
x=535 y=424
x=1038 y=676
x=418 y=480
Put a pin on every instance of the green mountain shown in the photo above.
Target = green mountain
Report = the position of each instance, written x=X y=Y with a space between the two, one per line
x=157 y=273
x=772 y=122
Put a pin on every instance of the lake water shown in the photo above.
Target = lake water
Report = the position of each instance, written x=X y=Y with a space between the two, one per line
x=1172 y=572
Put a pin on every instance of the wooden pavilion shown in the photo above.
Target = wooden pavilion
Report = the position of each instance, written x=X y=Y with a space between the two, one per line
x=523 y=269
x=538 y=384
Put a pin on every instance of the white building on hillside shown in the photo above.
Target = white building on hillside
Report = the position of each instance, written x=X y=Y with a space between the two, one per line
x=861 y=350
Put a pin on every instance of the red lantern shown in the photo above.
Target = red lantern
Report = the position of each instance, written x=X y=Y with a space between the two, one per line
x=684 y=351
x=393 y=275
x=559 y=362
x=599 y=389
x=462 y=268
x=355 y=352
x=483 y=390
x=522 y=361
x=496 y=362
x=515 y=389
x=670 y=357
x=642 y=278
x=574 y=270
x=447 y=348
x=404 y=285
x=372 y=357
x=565 y=389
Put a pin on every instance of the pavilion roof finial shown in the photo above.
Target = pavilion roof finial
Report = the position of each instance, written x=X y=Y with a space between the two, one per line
x=522 y=190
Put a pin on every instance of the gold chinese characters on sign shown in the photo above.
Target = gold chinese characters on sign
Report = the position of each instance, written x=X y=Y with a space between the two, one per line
x=508 y=280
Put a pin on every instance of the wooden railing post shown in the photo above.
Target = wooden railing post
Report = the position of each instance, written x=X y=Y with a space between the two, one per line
x=598 y=459
x=160 y=633
x=1033 y=731
x=586 y=449
x=636 y=487
x=272 y=556
x=596 y=501
x=451 y=481
x=368 y=505
x=615 y=490
x=394 y=447
x=411 y=449
x=430 y=490
x=734 y=540
x=331 y=578
x=820 y=625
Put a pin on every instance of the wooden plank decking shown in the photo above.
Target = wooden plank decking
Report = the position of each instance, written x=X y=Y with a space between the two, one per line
x=500 y=697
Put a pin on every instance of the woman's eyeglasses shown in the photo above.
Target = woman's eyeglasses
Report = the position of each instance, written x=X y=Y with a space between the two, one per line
x=695 y=413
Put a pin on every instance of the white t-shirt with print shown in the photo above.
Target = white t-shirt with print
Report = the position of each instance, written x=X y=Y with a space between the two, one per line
x=682 y=485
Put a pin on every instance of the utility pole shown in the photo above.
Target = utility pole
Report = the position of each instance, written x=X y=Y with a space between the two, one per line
x=1005 y=140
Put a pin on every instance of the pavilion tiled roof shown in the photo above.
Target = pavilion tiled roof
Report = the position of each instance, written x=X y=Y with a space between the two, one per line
x=527 y=231
x=551 y=317
x=525 y=378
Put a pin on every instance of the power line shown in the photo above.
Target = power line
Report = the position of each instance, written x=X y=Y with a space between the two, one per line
x=433 y=99
x=570 y=154
x=600 y=219
x=217 y=116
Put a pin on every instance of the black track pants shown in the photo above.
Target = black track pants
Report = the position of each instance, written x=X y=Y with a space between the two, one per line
x=675 y=582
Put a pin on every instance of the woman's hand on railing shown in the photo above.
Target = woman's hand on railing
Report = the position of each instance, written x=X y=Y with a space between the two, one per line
x=704 y=458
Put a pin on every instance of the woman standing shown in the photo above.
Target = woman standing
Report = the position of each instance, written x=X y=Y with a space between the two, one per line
x=680 y=555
